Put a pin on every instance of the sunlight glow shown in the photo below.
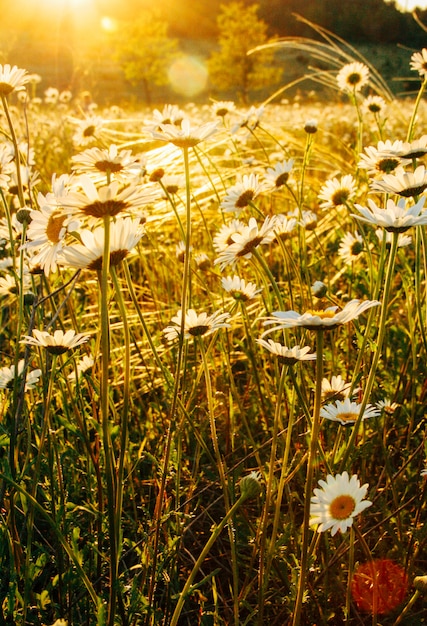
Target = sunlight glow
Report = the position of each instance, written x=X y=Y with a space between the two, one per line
x=108 y=24
x=188 y=76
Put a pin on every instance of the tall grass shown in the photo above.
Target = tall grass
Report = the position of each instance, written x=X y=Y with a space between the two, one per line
x=169 y=479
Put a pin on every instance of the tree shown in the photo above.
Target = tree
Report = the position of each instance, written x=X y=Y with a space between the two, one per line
x=230 y=67
x=145 y=51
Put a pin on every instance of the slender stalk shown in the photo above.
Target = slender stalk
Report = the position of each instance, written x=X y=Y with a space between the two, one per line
x=215 y=534
x=379 y=342
x=16 y=149
x=106 y=435
x=311 y=461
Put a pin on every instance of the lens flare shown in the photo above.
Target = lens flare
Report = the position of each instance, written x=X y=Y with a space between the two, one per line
x=188 y=76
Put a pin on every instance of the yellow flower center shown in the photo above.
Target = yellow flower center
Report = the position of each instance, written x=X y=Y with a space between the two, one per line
x=322 y=314
x=342 y=507
x=349 y=416
x=54 y=227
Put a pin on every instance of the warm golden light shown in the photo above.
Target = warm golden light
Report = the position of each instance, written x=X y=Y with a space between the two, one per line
x=108 y=24
x=188 y=76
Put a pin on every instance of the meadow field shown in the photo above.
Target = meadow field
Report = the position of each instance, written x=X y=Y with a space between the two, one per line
x=213 y=376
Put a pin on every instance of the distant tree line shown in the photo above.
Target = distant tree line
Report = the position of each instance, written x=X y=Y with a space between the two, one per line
x=357 y=21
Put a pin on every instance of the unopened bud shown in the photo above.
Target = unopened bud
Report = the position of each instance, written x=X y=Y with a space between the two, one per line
x=250 y=485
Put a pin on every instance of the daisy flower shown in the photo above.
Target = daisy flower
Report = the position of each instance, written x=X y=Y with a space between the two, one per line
x=374 y=104
x=418 y=62
x=170 y=114
x=395 y=217
x=223 y=237
x=196 y=325
x=46 y=232
x=385 y=158
x=109 y=199
x=223 y=108
x=7 y=376
x=284 y=225
x=319 y=289
x=111 y=163
x=403 y=183
x=337 y=502
x=202 y=261
x=351 y=248
x=402 y=239
x=336 y=389
x=12 y=78
x=347 y=412
x=242 y=194
x=246 y=241
x=278 y=175
x=414 y=149
x=184 y=136
x=287 y=356
x=250 y=120
x=58 y=343
x=9 y=286
x=319 y=319
x=387 y=406
x=84 y=365
x=51 y=95
x=125 y=234
x=239 y=288
x=86 y=130
x=337 y=192
x=352 y=77
x=251 y=485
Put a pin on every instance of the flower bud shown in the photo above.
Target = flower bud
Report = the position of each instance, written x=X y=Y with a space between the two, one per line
x=250 y=485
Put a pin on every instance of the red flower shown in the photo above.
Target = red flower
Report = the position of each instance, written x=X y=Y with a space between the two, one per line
x=379 y=586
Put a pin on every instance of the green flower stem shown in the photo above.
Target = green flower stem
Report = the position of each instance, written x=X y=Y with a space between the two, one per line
x=378 y=351
x=124 y=424
x=270 y=276
x=106 y=434
x=16 y=149
x=411 y=126
x=311 y=462
x=185 y=298
x=265 y=560
x=214 y=536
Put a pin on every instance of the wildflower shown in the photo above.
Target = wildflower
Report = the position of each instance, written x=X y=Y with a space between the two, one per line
x=112 y=163
x=336 y=389
x=374 y=104
x=185 y=136
x=202 y=261
x=284 y=225
x=9 y=286
x=246 y=241
x=172 y=183
x=65 y=96
x=196 y=325
x=287 y=356
x=351 y=248
x=347 y=412
x=109 y=199
x=241 y=194
x=58 y=343
x=125 y=234
x=8 y=375
x=311 y=126
x=423 y=472
x=395 y=218
x=180 y=251
x=414 y=149
x=84 y=365
x=319 y=289
x=402 y=183
x=51 y=95
x=338 y=501
x=402 y=239
x=47 y=230
x=379 y=586
x=223 y=238
x=387 y=406
x=239 y=288
x=383 y=159
x=12 y=79
x=250 y=485
x=278 y=175
x=250 y=120
x=87 y=129
x=319 y=319
x=170 y=114
x=418 y=62
x=336 y=193
x=223 y=108
x=352 y=77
